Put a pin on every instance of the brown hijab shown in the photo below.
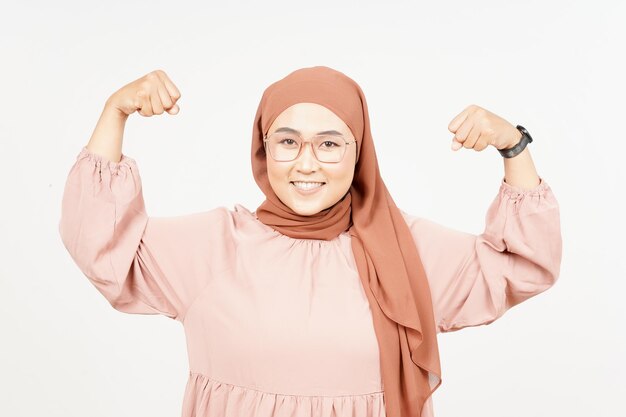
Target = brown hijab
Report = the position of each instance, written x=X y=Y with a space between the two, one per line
x=386 y=256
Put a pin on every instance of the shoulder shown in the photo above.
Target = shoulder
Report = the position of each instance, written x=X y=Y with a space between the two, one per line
x=237 y=219
x=201 y=232
x=217 y=222
x=430 y=233
x=412 y=220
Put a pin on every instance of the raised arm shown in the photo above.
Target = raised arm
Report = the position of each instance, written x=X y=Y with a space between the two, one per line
x=475 y=279
x=140 y=264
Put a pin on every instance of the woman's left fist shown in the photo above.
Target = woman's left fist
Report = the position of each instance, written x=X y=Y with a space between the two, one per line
x=476 y=128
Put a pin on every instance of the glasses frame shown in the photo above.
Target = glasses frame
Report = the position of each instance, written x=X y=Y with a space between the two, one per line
x=310 y=143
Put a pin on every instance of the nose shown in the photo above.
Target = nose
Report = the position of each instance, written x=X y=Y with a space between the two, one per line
x=306 y=161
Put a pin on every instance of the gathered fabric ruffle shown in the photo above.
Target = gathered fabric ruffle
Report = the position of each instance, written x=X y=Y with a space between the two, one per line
x=114 y=182
x=205 y=396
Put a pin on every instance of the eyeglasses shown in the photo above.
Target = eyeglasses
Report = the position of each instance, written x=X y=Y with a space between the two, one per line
x=287 y=146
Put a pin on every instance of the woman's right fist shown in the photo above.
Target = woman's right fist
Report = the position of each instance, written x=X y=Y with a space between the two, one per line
x=149 y=95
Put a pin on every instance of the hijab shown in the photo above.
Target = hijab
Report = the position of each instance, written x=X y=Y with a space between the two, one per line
x=387 y=259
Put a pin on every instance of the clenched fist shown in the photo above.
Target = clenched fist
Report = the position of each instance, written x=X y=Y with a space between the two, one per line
x=151 y=94
x=476 y=128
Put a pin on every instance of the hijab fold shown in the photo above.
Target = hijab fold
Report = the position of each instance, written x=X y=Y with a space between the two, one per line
x=387 y=259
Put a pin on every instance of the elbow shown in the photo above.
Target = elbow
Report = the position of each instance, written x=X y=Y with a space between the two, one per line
x=534 y=283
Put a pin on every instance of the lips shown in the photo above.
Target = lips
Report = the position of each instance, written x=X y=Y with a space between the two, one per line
x=307 y=185
x=307 y=189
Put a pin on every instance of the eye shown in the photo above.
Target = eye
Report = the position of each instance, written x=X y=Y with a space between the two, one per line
x=332 y=144
x=286 y=139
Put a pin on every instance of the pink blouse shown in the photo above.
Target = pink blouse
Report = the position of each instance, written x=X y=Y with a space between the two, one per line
x=278 y=326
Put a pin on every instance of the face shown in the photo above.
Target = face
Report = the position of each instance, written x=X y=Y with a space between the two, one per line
x=309 y=119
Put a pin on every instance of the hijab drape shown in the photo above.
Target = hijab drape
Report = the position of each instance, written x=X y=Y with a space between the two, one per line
x=387 y=259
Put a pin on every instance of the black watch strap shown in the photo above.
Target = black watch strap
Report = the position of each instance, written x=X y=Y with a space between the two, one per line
x=515 y=150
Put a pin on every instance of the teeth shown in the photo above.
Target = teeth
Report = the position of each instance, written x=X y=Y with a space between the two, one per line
x=307 y=185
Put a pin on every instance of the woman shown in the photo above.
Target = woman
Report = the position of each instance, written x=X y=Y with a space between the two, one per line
x=326 y=300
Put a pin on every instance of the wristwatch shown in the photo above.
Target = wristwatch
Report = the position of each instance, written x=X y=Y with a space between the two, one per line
x=525 y=140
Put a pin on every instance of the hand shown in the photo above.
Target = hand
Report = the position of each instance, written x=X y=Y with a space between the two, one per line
x=149 y=95
x=476 y=128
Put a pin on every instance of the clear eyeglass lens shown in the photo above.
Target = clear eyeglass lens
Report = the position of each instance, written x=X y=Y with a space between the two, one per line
x=286 y=147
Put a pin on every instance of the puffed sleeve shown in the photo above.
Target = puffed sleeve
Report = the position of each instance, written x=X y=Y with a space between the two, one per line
x=475 y=279
x=141 y=264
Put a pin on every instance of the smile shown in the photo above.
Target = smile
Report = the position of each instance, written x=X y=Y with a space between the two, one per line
x=307 y=187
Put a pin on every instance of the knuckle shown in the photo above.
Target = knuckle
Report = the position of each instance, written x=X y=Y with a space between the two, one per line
x=145 y=84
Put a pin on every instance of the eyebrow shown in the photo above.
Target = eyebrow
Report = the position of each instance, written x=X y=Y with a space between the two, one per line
x=325 y=132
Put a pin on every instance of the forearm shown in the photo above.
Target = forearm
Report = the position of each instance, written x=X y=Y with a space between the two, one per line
x=108 y=134
x=520 y=171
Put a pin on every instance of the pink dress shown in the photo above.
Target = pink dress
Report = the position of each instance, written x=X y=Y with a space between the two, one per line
x=278 y=326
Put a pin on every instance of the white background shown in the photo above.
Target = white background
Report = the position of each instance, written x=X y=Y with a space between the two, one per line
x=555 y=67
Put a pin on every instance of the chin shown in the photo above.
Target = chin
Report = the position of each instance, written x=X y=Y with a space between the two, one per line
x=312 y=208
x=303 y=207
x=308 y=211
